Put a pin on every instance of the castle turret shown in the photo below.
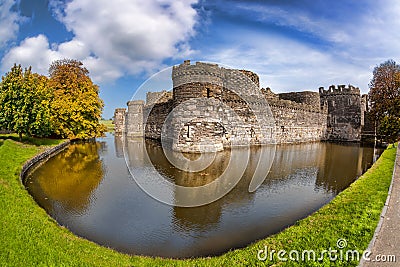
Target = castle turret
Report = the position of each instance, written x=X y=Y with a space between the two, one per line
x=215 y=107
x=119 y=120
x=134 y=119
x=196 y=121
x=344 y=112
x=194 y=81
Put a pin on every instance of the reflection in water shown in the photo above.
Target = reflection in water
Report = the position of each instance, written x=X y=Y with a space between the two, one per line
x=355 y=160
x=69 y=178
x=89 y=189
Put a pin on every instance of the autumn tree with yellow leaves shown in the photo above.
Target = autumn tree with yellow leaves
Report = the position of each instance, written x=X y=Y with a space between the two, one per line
x=76 y=106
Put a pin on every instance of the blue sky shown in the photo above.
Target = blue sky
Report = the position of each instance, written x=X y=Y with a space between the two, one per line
x=292 y=45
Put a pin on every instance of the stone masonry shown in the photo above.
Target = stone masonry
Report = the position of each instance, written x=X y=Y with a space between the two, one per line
x=345 y=112
x=211 y=108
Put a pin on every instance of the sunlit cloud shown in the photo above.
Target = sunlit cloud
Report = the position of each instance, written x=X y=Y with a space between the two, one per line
x=114 y=38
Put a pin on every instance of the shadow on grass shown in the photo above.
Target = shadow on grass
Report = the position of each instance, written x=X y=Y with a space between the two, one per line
x=31 y=140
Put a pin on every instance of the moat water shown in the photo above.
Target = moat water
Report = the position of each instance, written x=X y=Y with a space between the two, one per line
x=88 y=188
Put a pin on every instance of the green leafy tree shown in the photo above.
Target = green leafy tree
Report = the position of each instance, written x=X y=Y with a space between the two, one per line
x=390 y=127
x=24 y=103
x=384 y=97
x=76 y=105
x=42 y=97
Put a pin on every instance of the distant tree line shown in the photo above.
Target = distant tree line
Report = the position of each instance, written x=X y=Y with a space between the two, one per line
x=384 y=98
x=66 y=104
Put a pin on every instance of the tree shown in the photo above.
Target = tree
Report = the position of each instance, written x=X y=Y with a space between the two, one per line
x=24 y=103
x=384 y=97
x=40 y=114
x=389 y=126
x=76 y=107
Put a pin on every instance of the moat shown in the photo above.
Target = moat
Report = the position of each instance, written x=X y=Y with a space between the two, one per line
x=88 y=189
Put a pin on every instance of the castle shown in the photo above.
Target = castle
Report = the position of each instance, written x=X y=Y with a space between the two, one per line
x=211 y=108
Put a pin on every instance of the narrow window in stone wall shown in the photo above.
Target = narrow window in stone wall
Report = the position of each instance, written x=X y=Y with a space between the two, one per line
x=349 y=101
x=283 y=128
x=188 y=131
x=333 y=103
x=208 y=92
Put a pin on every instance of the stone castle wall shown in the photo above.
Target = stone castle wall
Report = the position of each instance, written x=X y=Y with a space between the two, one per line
x=306 y=97
x=155 y=115
x=296 y=123
x=211 y=108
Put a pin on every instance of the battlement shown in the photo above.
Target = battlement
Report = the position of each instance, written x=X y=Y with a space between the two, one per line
x=340 y=89
x=200 y=72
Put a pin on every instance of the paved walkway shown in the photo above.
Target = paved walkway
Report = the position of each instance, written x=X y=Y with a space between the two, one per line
x=386 y=240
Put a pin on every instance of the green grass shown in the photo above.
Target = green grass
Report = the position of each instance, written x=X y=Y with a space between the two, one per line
x=28 y=236
x=109 y=124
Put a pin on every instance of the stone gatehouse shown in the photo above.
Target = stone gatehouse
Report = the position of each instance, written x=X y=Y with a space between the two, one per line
x=211 y=107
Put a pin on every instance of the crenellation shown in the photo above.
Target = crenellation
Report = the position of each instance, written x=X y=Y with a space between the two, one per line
x=340 y=89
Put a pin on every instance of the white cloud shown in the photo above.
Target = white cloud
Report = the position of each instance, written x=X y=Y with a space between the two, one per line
x=352 y=45
x=131 y=35
x=370 y=33
x=288 y=65
x=33 y=52
x=114 y=38
x=8 y=22
x=73 y=49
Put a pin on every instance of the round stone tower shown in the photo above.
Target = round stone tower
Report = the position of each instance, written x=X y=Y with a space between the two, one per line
x=194 y=81
x=345 y=119
x=196 y=119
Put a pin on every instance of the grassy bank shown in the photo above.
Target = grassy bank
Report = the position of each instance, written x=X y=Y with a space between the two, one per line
x=109 y=124
x=29 y=237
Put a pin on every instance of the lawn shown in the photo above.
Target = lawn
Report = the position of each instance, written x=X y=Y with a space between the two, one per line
x=109 y=124
x=29 y=236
